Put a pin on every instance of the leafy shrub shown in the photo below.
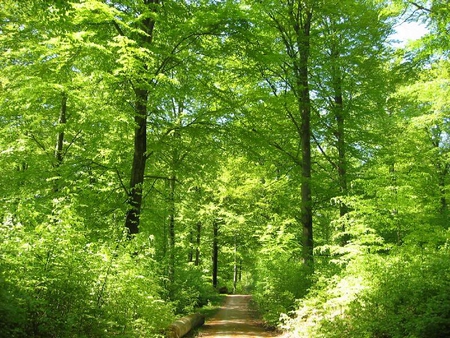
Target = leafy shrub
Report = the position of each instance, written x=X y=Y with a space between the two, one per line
x=191 y=289
x=406 y=294
x=279 y=282
x=54 y=282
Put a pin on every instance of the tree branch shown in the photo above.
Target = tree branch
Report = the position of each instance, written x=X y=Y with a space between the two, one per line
x=121 y=182
x=323 y=152
x=72 y=142
x=420 y=6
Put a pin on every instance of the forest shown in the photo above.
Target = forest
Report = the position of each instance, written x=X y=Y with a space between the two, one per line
x=156 y=152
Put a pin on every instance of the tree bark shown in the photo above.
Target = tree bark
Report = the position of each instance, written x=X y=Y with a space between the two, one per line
x=134 y=201
x=171 y=270
x=61 y=124
x=191 y=246
x=301 y=19
x=235 y=266
x=197 y=247
x=442 y=168
x=139 y=160
x=182 y=326
x=340 y=137
x=215 y=253
x=443 y=191
x=59 y=149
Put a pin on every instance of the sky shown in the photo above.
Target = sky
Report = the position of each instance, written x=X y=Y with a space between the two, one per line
x=408 y=31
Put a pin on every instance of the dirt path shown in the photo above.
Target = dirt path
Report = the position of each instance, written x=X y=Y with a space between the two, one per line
x=235 y=319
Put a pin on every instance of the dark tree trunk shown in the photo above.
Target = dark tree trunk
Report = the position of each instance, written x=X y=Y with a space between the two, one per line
x=235 y=267
x=302 y=27
x=191 y=247
x=59 y=149
x=139 y=159
x=443 y=191
x=340 y=137
x=197 y=247
x=59 y=154
x=442 y=171
x=215 y=253
x=133 y=215
x=171 y=271
x=294 y=28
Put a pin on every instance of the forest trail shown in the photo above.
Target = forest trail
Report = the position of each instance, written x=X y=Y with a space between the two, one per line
x=235 y=319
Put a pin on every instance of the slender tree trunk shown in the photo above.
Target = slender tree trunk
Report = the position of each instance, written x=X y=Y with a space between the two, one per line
x=59 y=149
x=441 y=170
x=139 y=160
x=133 y=215
x=215 y=253
x=240 y=270
x=294 y=28
x=197 y=247
x=235 y=267
x=191 y=246
x=61 y=125
x=302 y=27
x=340 y=137
x=394 y=211
x=443 y=190
x=171 y=270
x=306 y=207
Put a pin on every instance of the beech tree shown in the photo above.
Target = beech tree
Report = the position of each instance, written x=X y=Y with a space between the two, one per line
x=343 y=77
x=286 y=75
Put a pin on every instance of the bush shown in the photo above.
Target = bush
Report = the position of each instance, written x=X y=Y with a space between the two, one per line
x=406 y=294
x=279 y=282
x=191 y=289
x=54 y=282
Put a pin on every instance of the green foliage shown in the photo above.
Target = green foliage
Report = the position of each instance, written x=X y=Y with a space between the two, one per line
x=405 y=294
x=279 y=281
x=223 y=148
x=191 y=290
x=410 y=298
x=56 y=283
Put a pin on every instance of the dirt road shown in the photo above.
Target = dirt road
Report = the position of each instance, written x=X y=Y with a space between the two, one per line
x=235 y=319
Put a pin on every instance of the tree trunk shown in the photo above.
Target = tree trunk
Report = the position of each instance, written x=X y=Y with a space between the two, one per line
x=191 y=246
x=59 y=149
x=340 y=137
x=171 y=270
x=302 y=27
x=240 y=270
x=443 y=191
x=184 y=325
x=197 y=247
x=194 y=246
x=134 y=201
x=61 y=125
x=441 y=170
x=235 y=267
x=215 y=253
x=139 y=159
x=394 y=211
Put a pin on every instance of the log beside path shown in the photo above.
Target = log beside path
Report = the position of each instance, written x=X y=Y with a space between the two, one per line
x=182 y=326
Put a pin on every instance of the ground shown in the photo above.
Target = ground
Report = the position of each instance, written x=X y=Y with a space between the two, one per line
x=235 y=319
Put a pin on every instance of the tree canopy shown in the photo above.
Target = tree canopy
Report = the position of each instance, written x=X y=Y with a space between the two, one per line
x=156 y=152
